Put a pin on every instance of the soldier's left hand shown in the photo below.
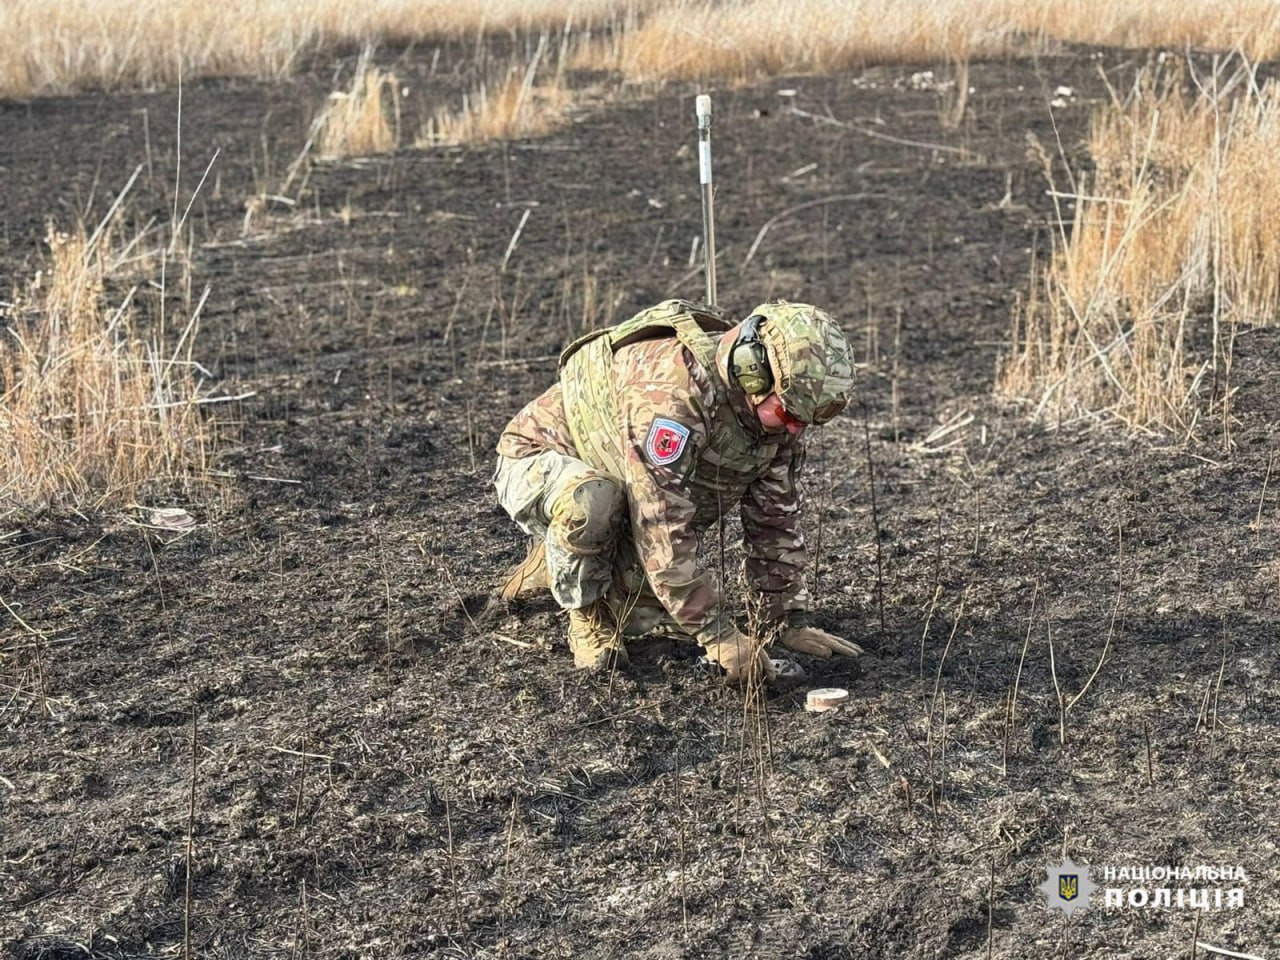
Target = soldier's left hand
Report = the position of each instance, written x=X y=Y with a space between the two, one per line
x=818 y=643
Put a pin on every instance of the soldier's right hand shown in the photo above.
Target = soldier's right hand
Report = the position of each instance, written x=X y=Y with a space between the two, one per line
x=738 y=655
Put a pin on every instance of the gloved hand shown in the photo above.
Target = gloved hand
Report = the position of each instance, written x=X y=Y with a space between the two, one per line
x=817 y=643
x=736 y=653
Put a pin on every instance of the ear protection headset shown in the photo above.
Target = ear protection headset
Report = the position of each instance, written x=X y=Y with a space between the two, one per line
x=753 y=375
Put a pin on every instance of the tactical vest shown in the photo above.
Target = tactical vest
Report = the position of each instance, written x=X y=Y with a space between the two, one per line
x=731 y=458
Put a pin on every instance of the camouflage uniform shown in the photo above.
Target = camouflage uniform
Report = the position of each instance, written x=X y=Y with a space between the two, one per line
x=650 y=403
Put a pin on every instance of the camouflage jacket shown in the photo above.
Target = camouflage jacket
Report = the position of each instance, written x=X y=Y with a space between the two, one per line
x=687 y=447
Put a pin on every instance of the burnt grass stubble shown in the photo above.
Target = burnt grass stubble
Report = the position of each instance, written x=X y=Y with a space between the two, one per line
x=377 y=776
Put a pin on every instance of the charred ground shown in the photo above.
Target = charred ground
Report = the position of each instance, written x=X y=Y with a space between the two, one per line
x=377 y=776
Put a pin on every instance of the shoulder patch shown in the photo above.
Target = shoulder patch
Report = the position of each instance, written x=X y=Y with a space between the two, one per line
x=666 y=441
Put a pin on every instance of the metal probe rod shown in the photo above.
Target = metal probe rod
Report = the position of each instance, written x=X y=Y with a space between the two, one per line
x=702 y=108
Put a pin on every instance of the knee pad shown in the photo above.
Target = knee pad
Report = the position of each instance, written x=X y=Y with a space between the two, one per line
x=586 y=515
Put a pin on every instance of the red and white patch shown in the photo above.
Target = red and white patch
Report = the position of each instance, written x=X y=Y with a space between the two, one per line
x=666 y=441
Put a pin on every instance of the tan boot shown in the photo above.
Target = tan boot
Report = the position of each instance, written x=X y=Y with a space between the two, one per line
x=595 y=640
x=528 y=577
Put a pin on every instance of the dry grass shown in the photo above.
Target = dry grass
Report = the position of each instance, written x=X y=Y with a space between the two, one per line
x=90 y=411
x=740 y=39
x=1171 y=248
x=514 y=106
x=73 y=44
x=363 y=120
x=1251 y=27
x=748 y=37
x=63 y=45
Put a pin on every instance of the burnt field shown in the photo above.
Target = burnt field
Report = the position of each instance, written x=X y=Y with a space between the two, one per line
x=283 y=733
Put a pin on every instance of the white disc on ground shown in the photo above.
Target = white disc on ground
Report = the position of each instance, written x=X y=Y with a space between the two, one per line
x=825 y=698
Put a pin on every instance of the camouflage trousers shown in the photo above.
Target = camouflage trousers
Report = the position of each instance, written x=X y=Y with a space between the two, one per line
x=526 y=488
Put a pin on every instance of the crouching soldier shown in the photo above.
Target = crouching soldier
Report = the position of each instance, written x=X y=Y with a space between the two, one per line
x=657 y=427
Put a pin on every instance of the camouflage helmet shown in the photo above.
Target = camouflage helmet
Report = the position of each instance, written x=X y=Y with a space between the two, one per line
x=810 y=357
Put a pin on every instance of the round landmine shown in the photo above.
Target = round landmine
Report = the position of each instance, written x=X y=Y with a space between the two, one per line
x=826 y=698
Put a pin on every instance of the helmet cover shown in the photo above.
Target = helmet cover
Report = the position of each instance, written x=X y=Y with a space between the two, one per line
x=811 y=360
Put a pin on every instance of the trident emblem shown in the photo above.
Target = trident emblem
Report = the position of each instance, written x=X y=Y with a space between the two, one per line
x=1068 y=885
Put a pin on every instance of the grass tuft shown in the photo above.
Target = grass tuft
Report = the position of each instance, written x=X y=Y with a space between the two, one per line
x=1159 y=257
x=90 y=411
x=363 y=120
x=517 y=105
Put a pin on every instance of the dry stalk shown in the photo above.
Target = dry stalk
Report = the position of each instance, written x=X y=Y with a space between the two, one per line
x=1218 y=951
x=940 y=786
x=991 y=905
x=924 y=634
x=875 y=515
x=755 y=745
x=680 y=846
x=757 y=739
x=177 y=188
x=515 y=239
x=302 y=776
x=306 y=922
x=800 y=208
x=388 y=604
x=1202 y=716
x=1017 y=677
x=1262 y=497
x=453 y=876
x=190 y=850
x=819 y=510
x=1007 y=732
x=955 y=116
x=895 y=379
x=1111 y=628
x=1057 y=689
x=506 y=855
x=1146 y=736
x=937 y=680
x=1217 y=686
x=938 y=778
x=38 y=639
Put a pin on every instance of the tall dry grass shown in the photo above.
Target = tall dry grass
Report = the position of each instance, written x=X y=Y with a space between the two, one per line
x=738 y=39
x=526 y=99
x=64 y=45
x=363 y=120
x=742 y=38
x=1249 y=27
x=91 y=411
x=1171 y=247
x=61 y=45
x=509 y=109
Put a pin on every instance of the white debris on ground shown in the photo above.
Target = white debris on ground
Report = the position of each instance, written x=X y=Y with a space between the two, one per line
x=925 y=80
x=921 y=80
x=1062 y=97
